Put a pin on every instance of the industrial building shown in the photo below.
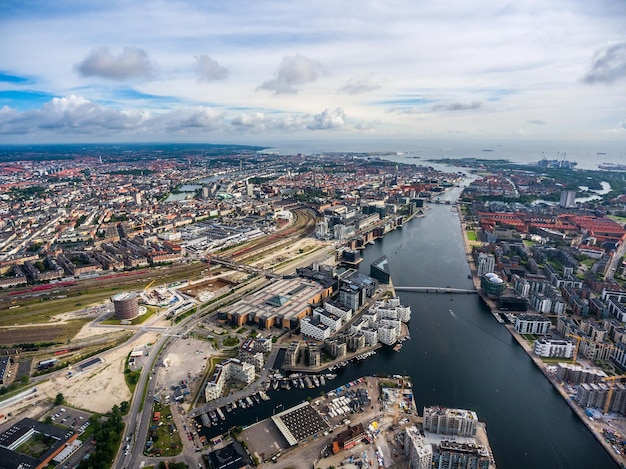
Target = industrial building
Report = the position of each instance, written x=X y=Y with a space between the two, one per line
x=281 y=304
x=56 y=440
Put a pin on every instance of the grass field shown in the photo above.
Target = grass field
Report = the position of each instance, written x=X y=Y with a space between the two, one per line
x=61 y=333
x=471 y=235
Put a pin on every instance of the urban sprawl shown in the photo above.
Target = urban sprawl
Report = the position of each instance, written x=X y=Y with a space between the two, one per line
x=149 y=294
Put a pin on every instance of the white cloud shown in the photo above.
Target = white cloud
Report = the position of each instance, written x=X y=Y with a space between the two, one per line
x=328 y=119
x=209 y=70
x=360 y=85
x=293 y=71
x=132 y=62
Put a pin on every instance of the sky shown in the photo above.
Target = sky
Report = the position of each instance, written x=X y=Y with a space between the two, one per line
x=250 y=71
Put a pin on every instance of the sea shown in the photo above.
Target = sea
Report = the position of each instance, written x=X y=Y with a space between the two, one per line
x=588 y=154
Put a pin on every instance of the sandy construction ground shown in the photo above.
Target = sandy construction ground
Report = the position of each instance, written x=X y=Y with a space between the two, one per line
x=97 y=389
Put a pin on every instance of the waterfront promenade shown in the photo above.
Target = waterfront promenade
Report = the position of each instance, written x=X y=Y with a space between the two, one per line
x=595 y=427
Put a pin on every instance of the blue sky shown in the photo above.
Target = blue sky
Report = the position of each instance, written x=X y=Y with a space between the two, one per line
x=265 y=72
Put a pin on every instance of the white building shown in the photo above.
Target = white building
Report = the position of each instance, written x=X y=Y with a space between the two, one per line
x=371 y=335
x=554 y=348
x=387 y=335
x=311 y=326
x=532 y=324
x=457 y=422
x=338 y=309
x=419 y=453
x=321 y=229
x=485 y=263
x=228 y=369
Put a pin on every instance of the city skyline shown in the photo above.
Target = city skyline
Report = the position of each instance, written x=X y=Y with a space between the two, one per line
x=271 y=72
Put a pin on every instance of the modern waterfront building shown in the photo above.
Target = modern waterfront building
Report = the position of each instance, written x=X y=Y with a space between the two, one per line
x=492 y=285
x=379 y=269
x=545 y=347
x=532 y=324
x=445 y=421
x=419 y=453
x=228 y=369
x=576 y=374
x=485 y=263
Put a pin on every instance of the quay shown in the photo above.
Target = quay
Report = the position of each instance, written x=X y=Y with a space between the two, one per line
x=593 y=426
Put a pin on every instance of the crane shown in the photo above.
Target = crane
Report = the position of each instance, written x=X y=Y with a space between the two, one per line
x=579 y=339
x=609 y=395
x=396 y=407
x=149 y=285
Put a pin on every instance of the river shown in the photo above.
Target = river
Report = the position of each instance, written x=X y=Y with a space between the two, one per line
x=460 y=356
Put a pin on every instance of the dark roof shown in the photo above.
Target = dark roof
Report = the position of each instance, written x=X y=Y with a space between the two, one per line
x=232 y=456
x=10 y=459
x=299 y=423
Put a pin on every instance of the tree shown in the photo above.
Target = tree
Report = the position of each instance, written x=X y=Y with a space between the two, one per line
x=59 y=400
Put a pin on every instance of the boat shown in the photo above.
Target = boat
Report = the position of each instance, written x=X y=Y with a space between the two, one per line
x=316 y=381
x=397 y=347
x=256 y=398
x=264 y=395
x=308 y=382
x=249 y=401
x=275 y=385
x=322 y=380
x=220 y=413
x=301 y=383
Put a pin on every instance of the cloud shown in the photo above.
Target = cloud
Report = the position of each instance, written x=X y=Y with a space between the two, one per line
x=358 y=86
x=292 y=71
x=328 y=119
x=199 y=117
x=608 y=65
x=536 y=122
x=209 y=70
x=457 y=106
x=255 y=122
x=132 y=62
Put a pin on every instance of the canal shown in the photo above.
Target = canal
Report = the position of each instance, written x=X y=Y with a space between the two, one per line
x=460 y=356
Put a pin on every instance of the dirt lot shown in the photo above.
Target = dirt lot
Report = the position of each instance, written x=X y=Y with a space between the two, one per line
x=186 y=359
x=97 y=389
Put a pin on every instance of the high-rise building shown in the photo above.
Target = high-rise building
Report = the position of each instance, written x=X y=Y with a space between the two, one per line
x=419 y=453
x=485 y=263
x=568 y=199
x=457 y=422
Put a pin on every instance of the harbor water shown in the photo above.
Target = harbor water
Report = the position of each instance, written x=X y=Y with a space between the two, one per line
x=459 y=356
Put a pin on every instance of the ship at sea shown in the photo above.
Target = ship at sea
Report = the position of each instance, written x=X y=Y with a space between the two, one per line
x=612 y=166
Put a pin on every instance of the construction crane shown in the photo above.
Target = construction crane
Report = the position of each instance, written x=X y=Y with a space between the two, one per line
x=609 y=395
x=396 y=407
x=579 y=339
x=149 y=285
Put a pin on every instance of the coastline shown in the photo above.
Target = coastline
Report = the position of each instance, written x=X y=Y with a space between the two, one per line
x=619 y=459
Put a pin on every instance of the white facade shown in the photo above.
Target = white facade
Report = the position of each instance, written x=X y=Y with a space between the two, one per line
x=314 y=328
x=419 y=453
x=343 y=312
x=387 y=335
x=458 y=422
x=228 y=369
x=371 y=335
x=554 y=348
x=485 y=263
x=532 y=324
